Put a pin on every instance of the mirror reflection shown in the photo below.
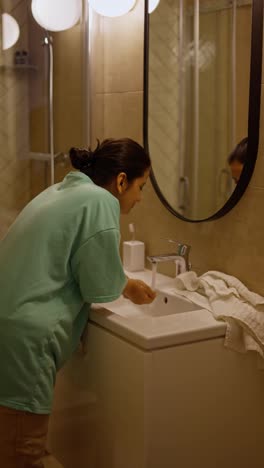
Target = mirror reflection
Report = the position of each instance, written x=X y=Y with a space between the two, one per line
x=237 y=159
x=198 y=93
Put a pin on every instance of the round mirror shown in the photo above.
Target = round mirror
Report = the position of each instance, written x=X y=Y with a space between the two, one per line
x=202 y=86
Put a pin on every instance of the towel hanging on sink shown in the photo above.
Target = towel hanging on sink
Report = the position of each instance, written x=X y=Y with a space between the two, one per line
x=228 y=299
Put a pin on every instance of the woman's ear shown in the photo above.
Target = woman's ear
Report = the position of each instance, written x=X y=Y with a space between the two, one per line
x=121 y=183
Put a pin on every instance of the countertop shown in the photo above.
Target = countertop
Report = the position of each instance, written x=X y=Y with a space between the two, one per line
x=148 y=332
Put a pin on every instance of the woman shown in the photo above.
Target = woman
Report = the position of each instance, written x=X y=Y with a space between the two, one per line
x=61 y=253
x=237 y=159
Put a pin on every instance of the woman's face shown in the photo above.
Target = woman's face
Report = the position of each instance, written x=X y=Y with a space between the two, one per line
x=236 y=169
x=131 y=193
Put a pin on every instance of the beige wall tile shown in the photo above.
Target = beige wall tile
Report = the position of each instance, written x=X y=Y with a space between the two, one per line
x=17 y=194
x=117 y=115
x=14 y=134
x=123 y=52
x=68 y=89
x=68 y=123
x=96 y=64
x=97 y=123
x=41 y=173
x=38 y=130
x=39 y=177
x=123 y=115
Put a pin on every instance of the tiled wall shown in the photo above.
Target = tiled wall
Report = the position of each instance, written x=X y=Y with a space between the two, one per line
x=117 y=58
x=232 y=244
x=24 y=110
x=14 y=128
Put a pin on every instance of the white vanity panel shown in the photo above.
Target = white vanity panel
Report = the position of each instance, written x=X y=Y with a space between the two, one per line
x=195 y=405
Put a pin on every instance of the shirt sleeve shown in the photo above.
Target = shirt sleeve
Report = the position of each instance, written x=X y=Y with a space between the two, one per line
x=98 y=269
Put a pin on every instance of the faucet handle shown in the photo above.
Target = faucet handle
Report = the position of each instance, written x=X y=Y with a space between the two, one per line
x=182 y=249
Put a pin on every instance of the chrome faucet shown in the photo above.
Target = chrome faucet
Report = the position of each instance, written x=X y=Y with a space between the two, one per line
x=180 y=257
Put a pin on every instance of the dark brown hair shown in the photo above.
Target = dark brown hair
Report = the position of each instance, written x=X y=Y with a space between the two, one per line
x=110 y=158
x=239 y=153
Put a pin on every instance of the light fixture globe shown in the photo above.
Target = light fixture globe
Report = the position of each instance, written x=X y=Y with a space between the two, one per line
x=152 y=5
x=10 y=31
x=112 y=8
x=56 y=15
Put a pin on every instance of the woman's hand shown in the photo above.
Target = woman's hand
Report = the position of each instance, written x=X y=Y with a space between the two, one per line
x=138 y=292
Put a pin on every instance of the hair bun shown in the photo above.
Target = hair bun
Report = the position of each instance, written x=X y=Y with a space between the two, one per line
x=80 y=158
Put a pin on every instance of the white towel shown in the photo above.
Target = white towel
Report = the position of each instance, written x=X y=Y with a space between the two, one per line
x=228 y=299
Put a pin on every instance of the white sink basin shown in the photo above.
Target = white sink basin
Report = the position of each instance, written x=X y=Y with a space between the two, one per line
x=169 y=321
x=164 y=304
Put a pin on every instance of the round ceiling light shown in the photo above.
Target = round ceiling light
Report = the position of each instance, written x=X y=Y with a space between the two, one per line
x=112 y=8
x=10 y=31
x=56 y=15
x=153 y=5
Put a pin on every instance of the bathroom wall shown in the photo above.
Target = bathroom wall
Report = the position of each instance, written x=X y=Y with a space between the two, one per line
x=24 y=110
x=117 y=75
x=14 y=127
x=232 y=244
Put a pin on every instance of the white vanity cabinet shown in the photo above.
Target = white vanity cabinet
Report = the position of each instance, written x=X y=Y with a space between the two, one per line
x=196 y=405
x=158 y=391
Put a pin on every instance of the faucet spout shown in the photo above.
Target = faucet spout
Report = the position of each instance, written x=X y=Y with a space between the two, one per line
x=180 y=257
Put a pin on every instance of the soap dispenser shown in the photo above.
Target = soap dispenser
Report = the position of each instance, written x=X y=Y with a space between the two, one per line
x=133 y=253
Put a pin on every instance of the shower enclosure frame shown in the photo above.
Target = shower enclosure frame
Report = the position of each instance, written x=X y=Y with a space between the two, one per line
x=86 y=23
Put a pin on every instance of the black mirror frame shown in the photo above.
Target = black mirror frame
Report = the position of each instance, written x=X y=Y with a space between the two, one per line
x=253 y=113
